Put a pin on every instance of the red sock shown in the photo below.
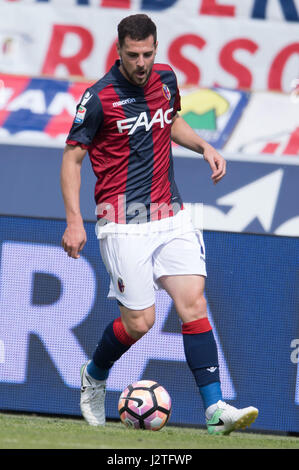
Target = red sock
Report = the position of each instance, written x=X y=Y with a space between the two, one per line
x=121 y=334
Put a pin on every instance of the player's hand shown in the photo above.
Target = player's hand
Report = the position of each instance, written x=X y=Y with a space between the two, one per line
x=73 y=240
x=216 y=162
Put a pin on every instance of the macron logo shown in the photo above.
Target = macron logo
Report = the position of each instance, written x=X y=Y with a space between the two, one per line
x=123 y=102
x=142 y=121
x=212 y=369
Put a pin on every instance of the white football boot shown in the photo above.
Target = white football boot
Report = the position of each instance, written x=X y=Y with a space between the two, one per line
x=92 y=400
x=222 y=418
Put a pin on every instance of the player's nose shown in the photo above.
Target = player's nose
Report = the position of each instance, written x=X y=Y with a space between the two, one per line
x=140 y=61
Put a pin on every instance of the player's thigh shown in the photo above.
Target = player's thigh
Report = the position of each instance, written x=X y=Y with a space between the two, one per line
x=137 y=322
x=181 y=270
x=187 y=292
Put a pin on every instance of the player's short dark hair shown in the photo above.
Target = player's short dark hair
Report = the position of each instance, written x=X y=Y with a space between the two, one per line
x=137 y=27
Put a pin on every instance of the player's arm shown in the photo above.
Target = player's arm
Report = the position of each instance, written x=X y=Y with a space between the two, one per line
x=74 y=237
x=182 y=134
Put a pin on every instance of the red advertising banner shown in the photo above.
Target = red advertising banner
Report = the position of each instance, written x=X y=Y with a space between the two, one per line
x=277 y=10
x=204 y=50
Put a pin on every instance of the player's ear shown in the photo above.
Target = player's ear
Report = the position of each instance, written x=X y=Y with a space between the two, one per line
x=118 y=48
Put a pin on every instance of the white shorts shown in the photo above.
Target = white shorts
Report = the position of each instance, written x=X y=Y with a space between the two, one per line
x=135 y=263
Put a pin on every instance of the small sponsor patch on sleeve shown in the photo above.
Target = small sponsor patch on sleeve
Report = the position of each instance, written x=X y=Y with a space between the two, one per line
x=80 y=114
x=86 y=98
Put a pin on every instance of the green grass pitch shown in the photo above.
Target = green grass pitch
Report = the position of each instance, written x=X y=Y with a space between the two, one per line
x=42 y=432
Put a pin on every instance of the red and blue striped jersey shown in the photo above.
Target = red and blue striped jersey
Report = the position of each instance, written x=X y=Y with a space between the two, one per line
x=127 y=132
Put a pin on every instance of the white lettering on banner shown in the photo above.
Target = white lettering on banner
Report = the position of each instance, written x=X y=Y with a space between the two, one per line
x=53 y=323
x=295 y=360
x=35 y=101
x=142 y=121
x=162 y=346
x=289 y=228
x=62 y=102
x=295 y=351
x=246 y=205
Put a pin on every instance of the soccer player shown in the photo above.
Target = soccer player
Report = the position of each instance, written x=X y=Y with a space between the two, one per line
x=126 y=121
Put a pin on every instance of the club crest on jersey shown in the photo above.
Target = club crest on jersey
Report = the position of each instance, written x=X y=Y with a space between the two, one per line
x=121 y=285
x=142 y=120
x=166 y=91
x=80 y=114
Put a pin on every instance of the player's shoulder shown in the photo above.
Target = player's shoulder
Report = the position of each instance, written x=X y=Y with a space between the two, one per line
x=101 y=84
x=106 y=81
x=91 y=97
x=163 y=67
x=158 y=67
x=166 y=72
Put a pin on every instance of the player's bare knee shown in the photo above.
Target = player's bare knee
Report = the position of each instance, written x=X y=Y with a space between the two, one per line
x=194 y=309
x=138 y=324
x=139 y=328
x=199 y=307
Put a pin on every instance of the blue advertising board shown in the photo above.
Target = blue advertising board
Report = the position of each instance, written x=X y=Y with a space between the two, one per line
x=53 y=311
x=254 y=197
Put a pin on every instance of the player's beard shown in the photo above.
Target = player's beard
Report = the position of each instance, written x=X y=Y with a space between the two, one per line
x=135 y=79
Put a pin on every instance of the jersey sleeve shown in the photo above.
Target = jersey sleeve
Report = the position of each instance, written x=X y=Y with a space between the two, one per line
x=177 y=102
x=177 y=99
x=87 y=121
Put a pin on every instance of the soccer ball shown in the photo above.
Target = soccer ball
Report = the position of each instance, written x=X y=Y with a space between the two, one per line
x=144 y=405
